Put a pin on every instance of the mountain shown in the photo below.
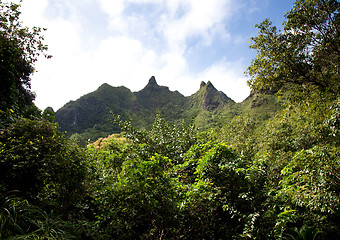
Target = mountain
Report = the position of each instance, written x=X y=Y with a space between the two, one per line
x=209 y=98
x=88 y=117
x=93 y=109
x=154 y=97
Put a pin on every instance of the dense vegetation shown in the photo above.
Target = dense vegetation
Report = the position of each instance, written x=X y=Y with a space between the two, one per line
x=270 y=177
x=88 y=117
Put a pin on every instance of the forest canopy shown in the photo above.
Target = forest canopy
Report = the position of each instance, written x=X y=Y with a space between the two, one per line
x=253 y=178
x=304 y=56
x=20 y=47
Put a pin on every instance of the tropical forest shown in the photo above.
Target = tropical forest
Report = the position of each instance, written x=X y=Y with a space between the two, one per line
x=154 y=164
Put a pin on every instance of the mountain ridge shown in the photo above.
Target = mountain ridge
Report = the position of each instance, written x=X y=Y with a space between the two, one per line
x=90 y=114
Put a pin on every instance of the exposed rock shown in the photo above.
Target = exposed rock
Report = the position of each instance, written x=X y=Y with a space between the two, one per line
x=152 y=81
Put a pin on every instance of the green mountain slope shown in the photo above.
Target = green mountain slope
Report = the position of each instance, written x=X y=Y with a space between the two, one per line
x=92 y=111
x=209 y=107
x=261 y=105
x=209 y=98
x=154 y=97
x=89 y=115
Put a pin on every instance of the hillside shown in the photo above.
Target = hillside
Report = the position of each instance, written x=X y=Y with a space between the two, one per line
x=89 y=115
x=260 y=171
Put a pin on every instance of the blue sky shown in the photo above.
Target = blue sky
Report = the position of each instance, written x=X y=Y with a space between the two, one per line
x=125 y=42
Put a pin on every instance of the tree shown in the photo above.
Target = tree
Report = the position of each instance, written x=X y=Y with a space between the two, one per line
x=171 y=141
x=19 y=50
x=140 y=203
x=216 y=198
x=305 y=55
x=39 y=164
x=310 y=184
x=170 y=183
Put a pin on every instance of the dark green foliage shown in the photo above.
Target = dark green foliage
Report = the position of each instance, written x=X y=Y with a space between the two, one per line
x=171 y=184
x=168 y=140
x=292 y=152
x=19 y=219
x=303 y=233
x=40 y=170
x=310 y=183
x=305 y=56
x=19 y=49
x=12 y=63
x=267 y=169
x=133 y=192
x=141 y=203
x=40 y=164
x=212 y=206
x=92 y=112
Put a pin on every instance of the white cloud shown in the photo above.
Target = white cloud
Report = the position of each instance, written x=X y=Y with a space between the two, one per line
x=33 y=11
x=123 y=61
x=112 y=7
x=130 y=47
x=199 y=18
x=146 y=1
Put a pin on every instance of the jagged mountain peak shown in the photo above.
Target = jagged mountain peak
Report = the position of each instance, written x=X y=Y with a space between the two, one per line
x=154 y=96
x=152 y=86
x=211 y=88
x=209 y=98
x=208 y=86
x=92 y=111
x=152 y=81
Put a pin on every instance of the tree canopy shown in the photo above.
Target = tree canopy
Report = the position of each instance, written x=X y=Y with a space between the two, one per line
x=302 y=56
x=272 y=177
x=20 y=47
